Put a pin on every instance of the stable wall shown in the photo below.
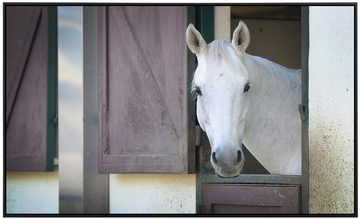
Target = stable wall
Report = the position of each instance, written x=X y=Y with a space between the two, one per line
x=331 y=139
x=331 y=109
x=128 y=193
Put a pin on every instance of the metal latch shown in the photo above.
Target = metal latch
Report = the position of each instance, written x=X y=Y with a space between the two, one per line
x=55 y=120
x=302 y=110
x=197 y=135
x=56 y=161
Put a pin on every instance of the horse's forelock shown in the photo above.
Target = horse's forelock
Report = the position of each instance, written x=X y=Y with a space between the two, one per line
x=223 y=50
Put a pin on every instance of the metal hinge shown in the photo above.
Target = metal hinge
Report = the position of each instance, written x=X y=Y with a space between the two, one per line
x=197 y=135
x=302 y=111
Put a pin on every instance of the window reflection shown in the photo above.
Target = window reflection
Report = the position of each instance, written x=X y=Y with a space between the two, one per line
x=70 y=71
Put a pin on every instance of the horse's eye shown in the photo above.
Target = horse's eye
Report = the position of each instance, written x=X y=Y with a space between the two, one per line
x=247 y=87
x=197 y=91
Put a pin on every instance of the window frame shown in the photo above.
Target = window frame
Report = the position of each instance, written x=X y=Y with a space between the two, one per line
x=52 y=86
x=205 y=13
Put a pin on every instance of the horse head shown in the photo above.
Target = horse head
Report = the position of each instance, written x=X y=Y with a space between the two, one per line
x=221 y=84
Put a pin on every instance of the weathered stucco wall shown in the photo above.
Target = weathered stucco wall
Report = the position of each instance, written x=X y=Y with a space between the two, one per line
x=331 y=109
x=152 y=193
x=32 y=192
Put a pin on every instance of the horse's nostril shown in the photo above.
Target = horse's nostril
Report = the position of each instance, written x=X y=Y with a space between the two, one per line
x=239 y=157
x=214 y=158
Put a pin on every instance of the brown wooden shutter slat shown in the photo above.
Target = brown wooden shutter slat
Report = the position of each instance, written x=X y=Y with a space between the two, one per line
x=143 y=89
x=26 y=87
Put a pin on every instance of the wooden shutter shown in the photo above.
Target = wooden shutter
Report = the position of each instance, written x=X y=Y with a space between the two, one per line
x=26 y=87
x=250 y=199
x=143 y=90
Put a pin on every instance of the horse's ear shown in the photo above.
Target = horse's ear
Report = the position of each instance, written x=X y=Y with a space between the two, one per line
x=194 y=40
x=241 y=37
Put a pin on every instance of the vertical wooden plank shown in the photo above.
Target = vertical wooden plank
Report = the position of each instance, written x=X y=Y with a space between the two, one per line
x=102 y=78
x=52 y=87
x=26 y=87
x=305 y=102
x=191 y=59
x=96 y=186
x=204 y=22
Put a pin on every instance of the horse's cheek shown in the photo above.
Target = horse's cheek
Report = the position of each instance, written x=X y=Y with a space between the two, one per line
x=201 y=116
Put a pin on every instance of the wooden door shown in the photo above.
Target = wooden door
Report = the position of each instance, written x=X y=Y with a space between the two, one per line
x=145 y=123
x=26 y=74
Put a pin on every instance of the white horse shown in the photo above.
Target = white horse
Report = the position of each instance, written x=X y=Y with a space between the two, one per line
x=246 y=99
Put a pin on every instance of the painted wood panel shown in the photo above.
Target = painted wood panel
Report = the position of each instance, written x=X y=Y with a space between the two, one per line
x=143 y=89
x=26 y=87
x=250 y=199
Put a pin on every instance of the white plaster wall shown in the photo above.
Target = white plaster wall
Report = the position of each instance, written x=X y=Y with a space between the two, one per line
x=222 y=20
x=331 y=109
x=152 y=193
x=32 y=192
